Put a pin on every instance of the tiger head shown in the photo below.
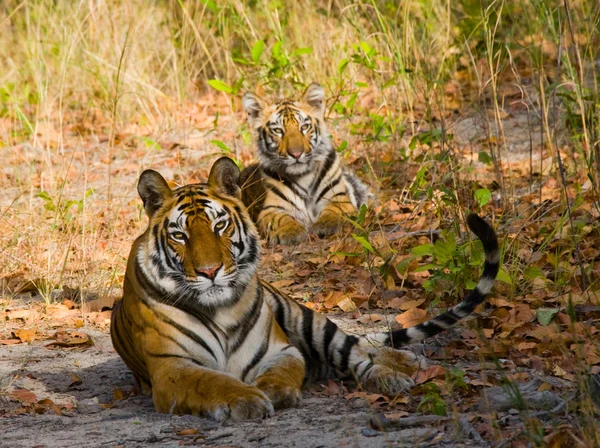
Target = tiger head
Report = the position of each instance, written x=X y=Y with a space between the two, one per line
x=292 y=136
x=201 y=248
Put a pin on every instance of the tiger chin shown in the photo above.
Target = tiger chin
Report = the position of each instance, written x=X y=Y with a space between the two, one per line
x=300 y=183
x=202 y=332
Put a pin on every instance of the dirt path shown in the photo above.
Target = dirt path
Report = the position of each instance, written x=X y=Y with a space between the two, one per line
x=320 y=421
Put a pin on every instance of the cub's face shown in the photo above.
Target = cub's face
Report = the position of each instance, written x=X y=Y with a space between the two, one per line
x=201 y=248
x=291 y=134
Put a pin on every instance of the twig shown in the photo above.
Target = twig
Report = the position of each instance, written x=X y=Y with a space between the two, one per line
x=381 y=422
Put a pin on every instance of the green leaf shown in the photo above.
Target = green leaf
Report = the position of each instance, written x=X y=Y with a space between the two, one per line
x=257 y=50
x=484 y=157
x=483 y=196
x=343 y=145
x=364 y=243
x=220 y=86
x=303 y=50
x=503 y=276
x=422 y=250
x=532 y=272
x=222 y=146
x=342 y=65
x=545 y=315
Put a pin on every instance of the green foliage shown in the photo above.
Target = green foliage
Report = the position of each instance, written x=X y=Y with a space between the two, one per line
x=432 y=402
x=452 y=266
x=64 y=210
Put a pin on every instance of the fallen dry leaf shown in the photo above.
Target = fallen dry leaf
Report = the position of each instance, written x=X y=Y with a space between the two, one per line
x=370 y=318
x=430 y=373
x=187 y=432
x=412 y=317
x=24 y=396
x=24 y=335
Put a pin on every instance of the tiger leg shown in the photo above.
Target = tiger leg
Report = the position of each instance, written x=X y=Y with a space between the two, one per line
x=378 y=369
x=181 y=387
x=281 y=373
x=331 y=219
x=280 y=227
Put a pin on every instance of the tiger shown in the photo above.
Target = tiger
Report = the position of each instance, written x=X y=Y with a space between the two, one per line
x=300 y=182
x=205 y=335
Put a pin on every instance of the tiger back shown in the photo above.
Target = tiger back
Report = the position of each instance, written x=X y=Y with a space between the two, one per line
x=300 y=183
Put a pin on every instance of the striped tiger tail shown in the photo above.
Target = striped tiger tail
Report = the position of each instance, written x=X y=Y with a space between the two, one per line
x=487 y=236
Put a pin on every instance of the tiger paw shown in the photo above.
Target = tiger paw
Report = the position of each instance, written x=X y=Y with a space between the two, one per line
x=252 y=404
x=289 y=233
x=327 y=224
x=282 y=396
x=382 y=379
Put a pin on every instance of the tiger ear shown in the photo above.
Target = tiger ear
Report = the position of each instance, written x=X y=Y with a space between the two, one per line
x=225 y=177
x=154 y=191
x=254 y=107
x=314 y=97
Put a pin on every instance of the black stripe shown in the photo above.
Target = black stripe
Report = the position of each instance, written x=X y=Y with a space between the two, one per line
x=329 y=333
x=193 y=336
x=324 y=169
x=169 y=355
x=246 y=323
x=327 y=188
x=260 y=353
x=349 y=343
x=307 y=331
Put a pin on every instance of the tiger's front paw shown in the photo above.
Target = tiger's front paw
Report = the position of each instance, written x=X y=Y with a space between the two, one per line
x=393 y=370
x=388 y=381
x=328 y=224
x=248 y=404
x=289 y=233
x=282 y=396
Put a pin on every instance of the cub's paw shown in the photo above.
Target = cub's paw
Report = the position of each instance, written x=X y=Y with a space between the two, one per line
x=282 y=396
x=288 y=234
x=327 y=224
x=249 y=405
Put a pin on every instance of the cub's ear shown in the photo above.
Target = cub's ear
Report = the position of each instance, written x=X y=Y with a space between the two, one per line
x=254 y=107
x=314 y=97
x=224 y=177
x=153 y=190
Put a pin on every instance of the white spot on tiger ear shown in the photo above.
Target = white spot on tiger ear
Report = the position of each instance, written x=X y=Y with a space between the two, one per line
x=314 y=96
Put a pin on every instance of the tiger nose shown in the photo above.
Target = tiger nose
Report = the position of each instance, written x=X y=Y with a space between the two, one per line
x=210 y=272
x=295 y=153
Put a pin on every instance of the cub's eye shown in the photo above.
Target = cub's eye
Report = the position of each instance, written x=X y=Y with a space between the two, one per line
x=305 y=127
x=278 y=131
x=221 y=225
x=179 y=237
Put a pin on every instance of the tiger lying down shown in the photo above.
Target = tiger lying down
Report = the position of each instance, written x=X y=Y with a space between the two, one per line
x=198 y=327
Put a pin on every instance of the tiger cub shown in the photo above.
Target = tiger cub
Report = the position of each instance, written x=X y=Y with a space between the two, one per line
x=205 y=335
x=300 y=183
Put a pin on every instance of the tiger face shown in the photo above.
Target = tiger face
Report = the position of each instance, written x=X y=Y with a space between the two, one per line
x=291 y=134
x=201 y=248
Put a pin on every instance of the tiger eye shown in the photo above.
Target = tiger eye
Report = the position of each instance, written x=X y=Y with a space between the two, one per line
x=178 y=236
x=221 y=225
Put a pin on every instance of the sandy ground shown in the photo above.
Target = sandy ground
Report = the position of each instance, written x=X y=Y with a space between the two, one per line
x=320 y=421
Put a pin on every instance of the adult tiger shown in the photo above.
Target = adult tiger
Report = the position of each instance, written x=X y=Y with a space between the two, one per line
x=300 y=182
x=199 y=328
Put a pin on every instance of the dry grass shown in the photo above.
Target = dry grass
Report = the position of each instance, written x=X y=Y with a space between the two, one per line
x=92 y=92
